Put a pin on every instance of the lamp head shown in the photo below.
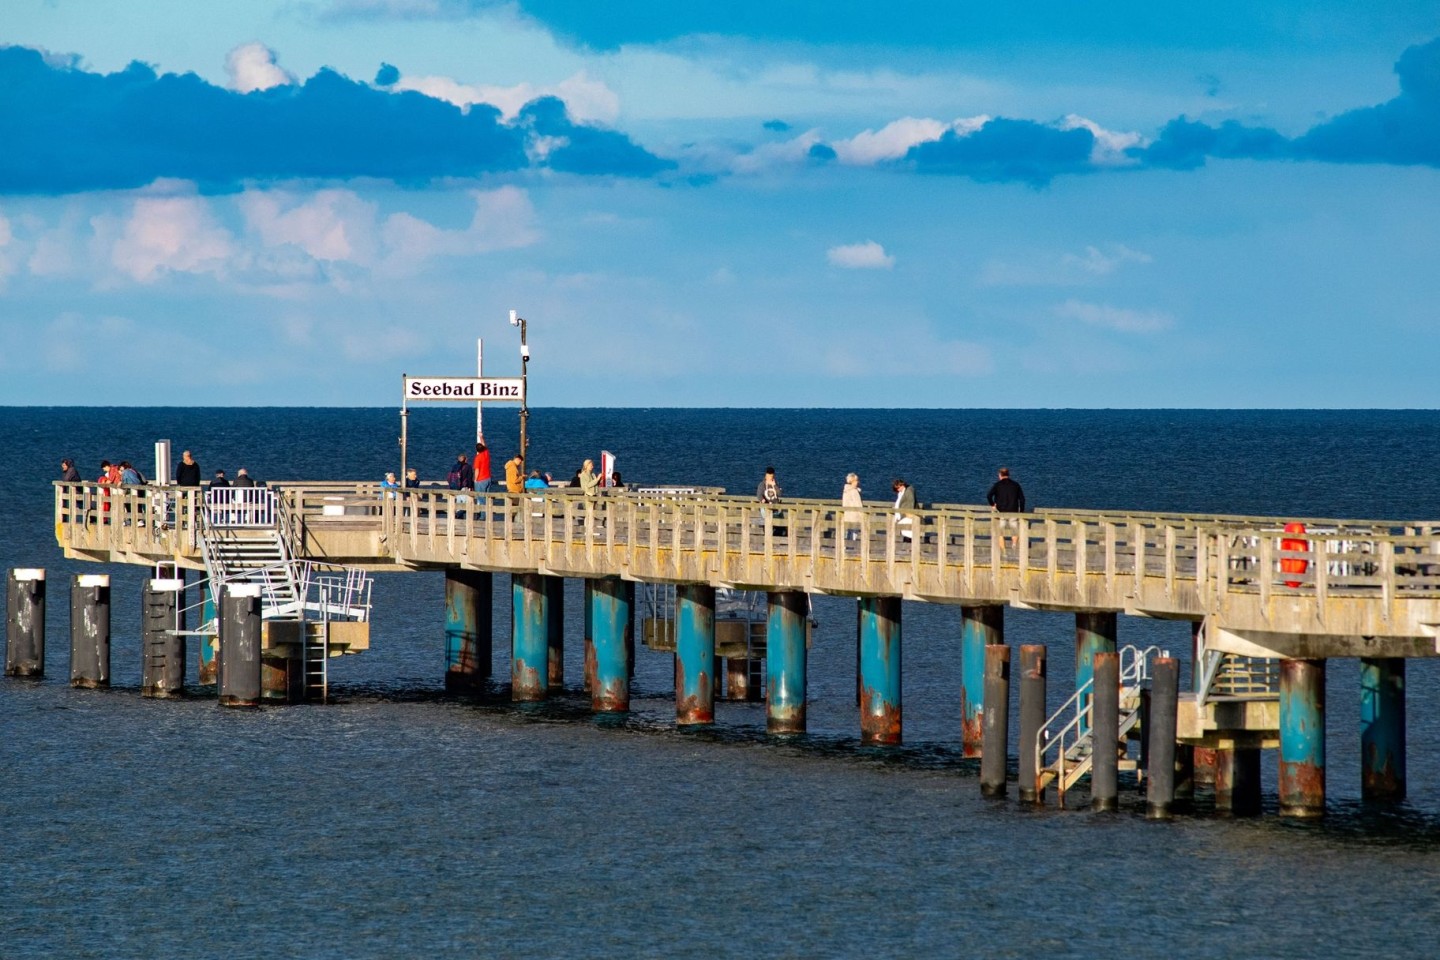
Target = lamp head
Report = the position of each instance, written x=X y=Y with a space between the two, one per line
x=514 y=318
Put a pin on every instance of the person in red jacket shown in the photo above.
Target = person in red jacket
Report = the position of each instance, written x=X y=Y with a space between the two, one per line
x=483 y=480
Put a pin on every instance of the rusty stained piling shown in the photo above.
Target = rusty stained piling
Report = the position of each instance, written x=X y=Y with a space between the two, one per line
x=209 y=645
x=1302 y=738
x=980 y=627
x=1095 y=632
x=25 y=623
x=612 y=626
x=162 y=650
x=881 y=711
x=239 y=659
x=630 y=630
x=785 y=662
x=1160 y=732
x=555 y=638
x=1237 y=780
x=469 y=596
x=587 y=602
x=1032 y=717
x=529 y=637
x=995 y=750
x=1105 y=745
x=694 y=654
x=1382 y=729
x=90 y=631
x=1203 y=759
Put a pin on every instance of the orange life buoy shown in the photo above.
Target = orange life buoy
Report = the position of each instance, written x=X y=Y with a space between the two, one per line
x=1294 y=564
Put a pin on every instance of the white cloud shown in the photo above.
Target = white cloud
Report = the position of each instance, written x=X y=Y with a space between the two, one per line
x=769 y=155
x=872 y=353
x=166 y=234
x=894 y=140
x=1102 y=262
x=586 y=100
x=860 y=256
x=1110 y=145
x=1115 y=318
x=7 y=250
x=331 y=225
x=503 y=219
x=252 y=66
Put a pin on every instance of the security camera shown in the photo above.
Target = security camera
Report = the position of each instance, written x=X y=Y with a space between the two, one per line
x=525 y=352
x=514 y=318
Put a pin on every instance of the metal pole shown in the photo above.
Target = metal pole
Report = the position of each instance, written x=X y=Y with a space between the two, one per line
x=995 y=752
x=1105 y=769
x=524 y=400
x=404 y=431
x=1160 y=732
x=694 y=654
x=880 y=703
x=479 y=372
x=90 y=631
x=1032 y=717
x=25 y=623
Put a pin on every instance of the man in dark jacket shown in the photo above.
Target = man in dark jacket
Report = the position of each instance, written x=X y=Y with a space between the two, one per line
x=68 y=473
x=1005 y=496
x=187 y=471
x=243 y=479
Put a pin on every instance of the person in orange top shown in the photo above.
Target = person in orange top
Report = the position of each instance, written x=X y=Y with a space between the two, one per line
x=514 y=480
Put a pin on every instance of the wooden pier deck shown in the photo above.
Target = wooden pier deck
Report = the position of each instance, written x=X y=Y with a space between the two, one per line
x=1370 y=588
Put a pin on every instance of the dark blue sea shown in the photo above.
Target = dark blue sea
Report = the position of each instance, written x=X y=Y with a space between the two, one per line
x=399 y=821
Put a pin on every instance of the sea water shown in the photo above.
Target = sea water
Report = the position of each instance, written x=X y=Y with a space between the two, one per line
x=399 y=821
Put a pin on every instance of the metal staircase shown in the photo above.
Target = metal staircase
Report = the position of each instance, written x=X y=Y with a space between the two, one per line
x=245 y=538
x=1068 y=735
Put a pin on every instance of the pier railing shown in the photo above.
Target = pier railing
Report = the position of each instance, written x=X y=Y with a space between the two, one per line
x=1340 y=576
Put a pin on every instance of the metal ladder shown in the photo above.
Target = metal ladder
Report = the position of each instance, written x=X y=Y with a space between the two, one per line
x=315 y=659
x=1073 y=744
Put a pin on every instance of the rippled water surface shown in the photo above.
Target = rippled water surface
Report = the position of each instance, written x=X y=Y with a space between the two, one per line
x=402 y=822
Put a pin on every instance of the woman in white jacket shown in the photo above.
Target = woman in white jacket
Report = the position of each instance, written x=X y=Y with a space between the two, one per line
x=850 y=499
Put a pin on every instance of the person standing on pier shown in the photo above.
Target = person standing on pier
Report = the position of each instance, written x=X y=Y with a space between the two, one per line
x=1006 y=496
x=187 y=471
x=514 y=481
x=850 y=500
x=483 y=480
x=460 y=477
x=904 y=507
x=68 y=473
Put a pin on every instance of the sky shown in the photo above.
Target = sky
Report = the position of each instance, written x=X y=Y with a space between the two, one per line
x=920 y=203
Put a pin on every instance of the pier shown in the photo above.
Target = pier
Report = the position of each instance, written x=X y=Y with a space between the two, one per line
x=1267 y=601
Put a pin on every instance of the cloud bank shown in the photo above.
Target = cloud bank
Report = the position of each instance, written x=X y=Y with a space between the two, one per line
x=69 y=130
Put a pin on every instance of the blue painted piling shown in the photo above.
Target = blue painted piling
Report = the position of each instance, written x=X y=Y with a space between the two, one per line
x=587 y=602
x=468 y=598
x=530 y=637
x=1094 y=633
x=694 y=654
x=980 y=627
x=610 y=625
x=209 y=645
x=1382 y=729
x=1302 y=738
x=880 y=675
x=785 y=662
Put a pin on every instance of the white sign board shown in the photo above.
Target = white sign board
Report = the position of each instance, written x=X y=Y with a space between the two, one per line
x=464 y=388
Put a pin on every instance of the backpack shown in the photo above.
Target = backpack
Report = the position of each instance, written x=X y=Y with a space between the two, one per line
x=456 y=477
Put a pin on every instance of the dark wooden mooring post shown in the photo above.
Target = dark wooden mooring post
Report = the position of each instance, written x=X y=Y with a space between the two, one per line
x=25 y=623
x=1160 y=736
x=239 y=658
x=90 y=631
x=1105 y=745
x=1032 y=717
x=995 y=752
x=162 y=650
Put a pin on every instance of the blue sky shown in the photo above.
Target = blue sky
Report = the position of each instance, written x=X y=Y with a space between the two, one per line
x=918 y=203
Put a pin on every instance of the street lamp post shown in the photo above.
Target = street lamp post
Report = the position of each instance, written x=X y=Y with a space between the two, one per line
x=518 y=321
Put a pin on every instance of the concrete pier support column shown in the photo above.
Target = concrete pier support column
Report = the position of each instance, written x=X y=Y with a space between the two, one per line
x=162 y=653
x=25 y=623
x=612 y=626
x=555 y=642
x=995 y=752
x=881 y=712
x=90 y=631
x=1302 y=738
x=209 y=645
x=785 y=662
x=630 y=630
x=1237 y=781
x=530 y=637
x=1382 y=729
x=1094 y=633
x=1105 y=768
x=588 y=602
x=239 y=660
x=1032 y=716
x=469 y=598
x=694 y=654
x=1204 y=759
x=1160 y=737
x=980 y=627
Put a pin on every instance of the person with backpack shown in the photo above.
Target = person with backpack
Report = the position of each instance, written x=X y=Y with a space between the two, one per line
x=460 y=477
